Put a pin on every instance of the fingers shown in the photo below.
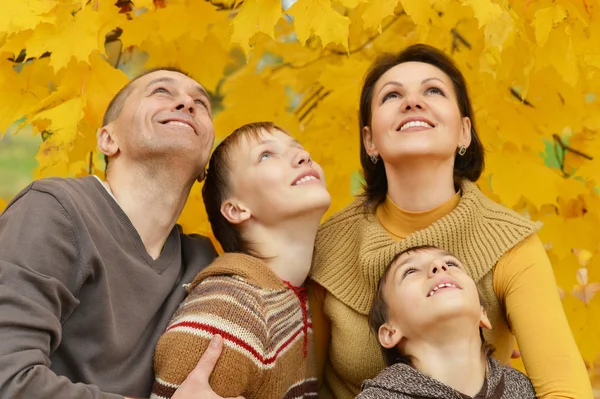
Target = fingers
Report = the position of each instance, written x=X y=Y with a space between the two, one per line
x=207 y=362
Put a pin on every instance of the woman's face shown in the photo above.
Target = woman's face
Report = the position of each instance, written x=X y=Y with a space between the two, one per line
x=415 y=114
x=273 y=179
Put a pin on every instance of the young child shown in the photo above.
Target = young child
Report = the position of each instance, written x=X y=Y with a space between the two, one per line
x=428 y=316
x=264 y=197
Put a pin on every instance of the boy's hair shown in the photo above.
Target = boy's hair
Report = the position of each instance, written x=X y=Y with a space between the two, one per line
x=217 y=184
x=379 y=313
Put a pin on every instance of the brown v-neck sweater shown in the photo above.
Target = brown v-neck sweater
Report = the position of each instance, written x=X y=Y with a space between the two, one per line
x=82 y=304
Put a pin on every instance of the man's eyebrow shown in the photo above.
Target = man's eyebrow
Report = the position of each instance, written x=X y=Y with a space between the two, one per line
x=166 y=79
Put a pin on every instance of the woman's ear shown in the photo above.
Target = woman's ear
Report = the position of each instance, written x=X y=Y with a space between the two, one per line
x=484 y=321
x=368 y=142
x=389 y=336
x=234 y=211
x=465 y=135
x=107 y=141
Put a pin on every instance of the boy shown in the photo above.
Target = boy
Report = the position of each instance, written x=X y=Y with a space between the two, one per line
x=428 y=317
x=264 y=197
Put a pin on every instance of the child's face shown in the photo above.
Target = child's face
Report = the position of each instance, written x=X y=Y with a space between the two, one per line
x=425 y=288
x=273 y=179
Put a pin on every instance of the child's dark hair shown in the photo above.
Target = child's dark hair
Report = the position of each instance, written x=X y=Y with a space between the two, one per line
x=378 y=315
x=217 y=183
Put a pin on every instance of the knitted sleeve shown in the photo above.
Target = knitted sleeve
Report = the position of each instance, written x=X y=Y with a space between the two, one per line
x=524 y=283
x=224 y=305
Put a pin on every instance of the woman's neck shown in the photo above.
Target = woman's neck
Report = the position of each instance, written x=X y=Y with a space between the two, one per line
x=418 y=188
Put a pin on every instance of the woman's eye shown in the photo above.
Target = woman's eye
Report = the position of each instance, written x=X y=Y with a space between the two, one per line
x=391 y=95
x=264 y=155
x=201 y=103
x=434 y=90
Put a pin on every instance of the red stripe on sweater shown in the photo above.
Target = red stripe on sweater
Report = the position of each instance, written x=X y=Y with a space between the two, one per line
x=225 y=335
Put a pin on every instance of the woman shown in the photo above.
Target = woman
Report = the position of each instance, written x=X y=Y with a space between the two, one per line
x=264 y=198
x=421 y=155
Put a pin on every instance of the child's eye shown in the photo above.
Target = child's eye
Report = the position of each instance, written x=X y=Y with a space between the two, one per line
x=452 y=263
x=264 y=155
x=390 y=95
x=434 y=90
x=408 y=271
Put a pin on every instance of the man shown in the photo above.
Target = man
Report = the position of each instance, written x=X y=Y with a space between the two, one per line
x=91 y=271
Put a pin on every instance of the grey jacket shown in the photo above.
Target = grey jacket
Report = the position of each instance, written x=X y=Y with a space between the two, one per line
x=402 y=381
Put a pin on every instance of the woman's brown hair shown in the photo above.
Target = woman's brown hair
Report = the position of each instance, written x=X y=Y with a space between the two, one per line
x=469 y=166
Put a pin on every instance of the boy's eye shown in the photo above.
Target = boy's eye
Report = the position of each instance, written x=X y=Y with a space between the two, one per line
x=264 y=155
x=452 y=263
x=408 y=271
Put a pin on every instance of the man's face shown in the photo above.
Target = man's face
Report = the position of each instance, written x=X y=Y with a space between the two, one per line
x=166 y=117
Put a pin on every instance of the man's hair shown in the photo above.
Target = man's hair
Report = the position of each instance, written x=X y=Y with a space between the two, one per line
x=118 y=101
x=379 y=313
x=217 y=184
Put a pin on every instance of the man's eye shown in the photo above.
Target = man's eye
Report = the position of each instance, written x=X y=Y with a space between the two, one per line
x=160 y=90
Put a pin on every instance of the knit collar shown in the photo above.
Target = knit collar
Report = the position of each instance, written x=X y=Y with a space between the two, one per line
x=252 y=269
x=404 y=379
x=352 y=248
x=400 y=223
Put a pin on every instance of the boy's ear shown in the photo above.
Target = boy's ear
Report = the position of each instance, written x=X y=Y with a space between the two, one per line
x=484 y=321
x=234 y=211
x=389 y=336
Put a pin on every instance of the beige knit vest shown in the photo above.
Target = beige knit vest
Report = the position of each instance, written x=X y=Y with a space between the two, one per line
x=352 y=248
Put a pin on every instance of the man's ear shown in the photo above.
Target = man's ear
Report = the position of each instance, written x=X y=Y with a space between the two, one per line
x=484 y=321
x=107 y=141
x=389 y=336
x=234 y=211
x=368 y=142
x=465 y=136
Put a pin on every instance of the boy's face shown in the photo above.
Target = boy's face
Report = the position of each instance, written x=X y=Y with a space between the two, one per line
x=424 y=289
x=273 y=179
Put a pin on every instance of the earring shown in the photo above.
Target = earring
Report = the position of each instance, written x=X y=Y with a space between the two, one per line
x=462 y=150
x=374 y=158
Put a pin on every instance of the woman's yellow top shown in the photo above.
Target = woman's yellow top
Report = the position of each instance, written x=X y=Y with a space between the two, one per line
x=501 y=251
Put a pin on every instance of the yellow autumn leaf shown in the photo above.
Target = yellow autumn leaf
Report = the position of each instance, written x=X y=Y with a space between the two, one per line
x=583 y=256
x=318 y=18
x=255 y=16
x=25 y=14
x=376 y=11
x=585 y=291
x=63 y=120
x=422 y=13
x=89 y=25
x=351 y=3
x=544 y=21
x=147 y=4
x=2 y=204
x=485 y=11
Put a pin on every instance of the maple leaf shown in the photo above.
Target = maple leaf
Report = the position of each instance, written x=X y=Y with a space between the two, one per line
x=421 y=12
x=255 y=16
x=89 y=25
x=62 y=122
x=318 y=18
x=545 y=20
x=25 y=14
x=376 y=11
x=584 y=291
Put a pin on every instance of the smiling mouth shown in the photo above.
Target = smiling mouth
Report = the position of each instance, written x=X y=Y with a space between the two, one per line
x=179 y=124
x=408 y=125
x=441 y=286
x=304 y=180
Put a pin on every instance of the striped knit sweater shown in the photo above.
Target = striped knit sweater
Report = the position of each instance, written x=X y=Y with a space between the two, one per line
x=266 y=330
